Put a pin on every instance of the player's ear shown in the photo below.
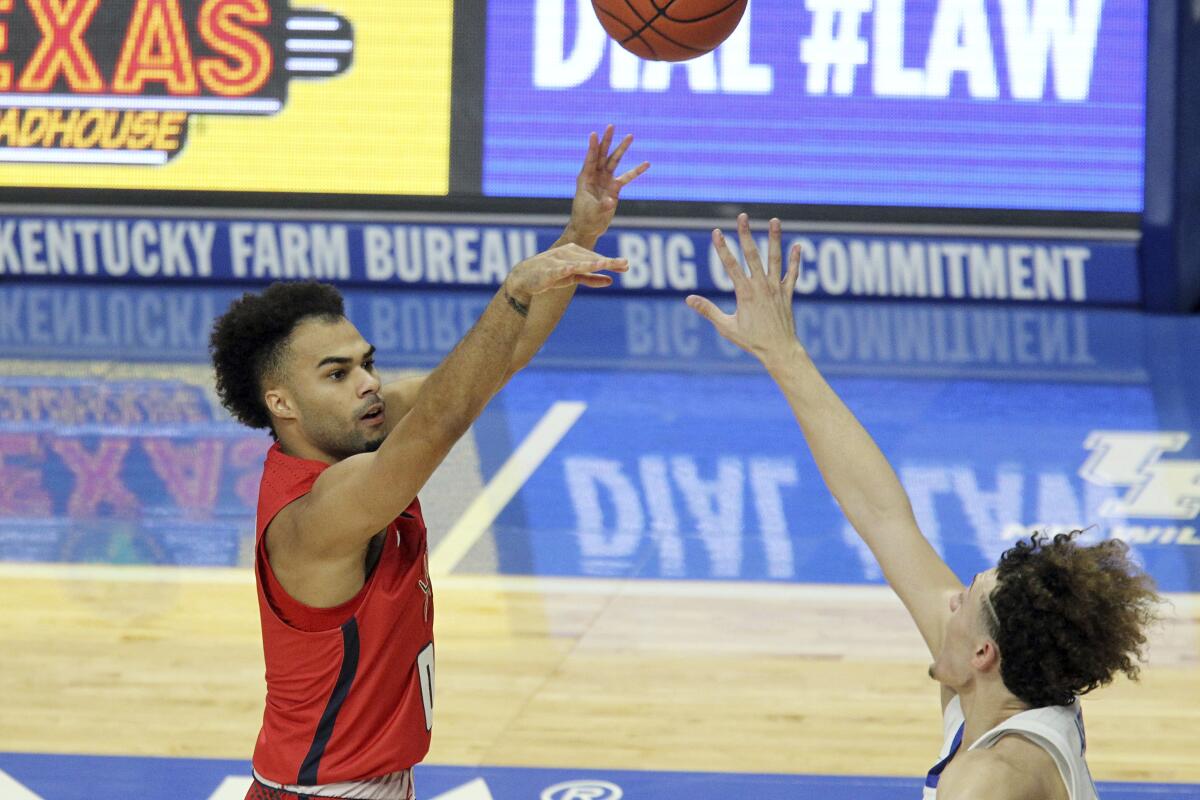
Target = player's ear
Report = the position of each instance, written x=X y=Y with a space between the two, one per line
x=279 y=403
x=986 y=656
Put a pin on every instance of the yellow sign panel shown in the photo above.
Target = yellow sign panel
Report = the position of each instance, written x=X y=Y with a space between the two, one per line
x=350 y=97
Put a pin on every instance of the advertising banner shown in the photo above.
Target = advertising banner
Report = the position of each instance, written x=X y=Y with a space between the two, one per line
x=349 y=96
x=477 y=252
x=1005 y=104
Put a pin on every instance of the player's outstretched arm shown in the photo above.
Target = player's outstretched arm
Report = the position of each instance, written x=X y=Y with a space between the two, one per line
x=854 y=469
x=359 y=496
x=597 y=192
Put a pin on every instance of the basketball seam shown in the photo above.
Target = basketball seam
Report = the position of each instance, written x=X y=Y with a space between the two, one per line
x=701 y=18
x=646 y=23
x=615 y=19
x=695 y=50
x=636 y=13
x=637 y=34
x=649 y=46
x=626 y=25
x=649 y=25
x=661 y=13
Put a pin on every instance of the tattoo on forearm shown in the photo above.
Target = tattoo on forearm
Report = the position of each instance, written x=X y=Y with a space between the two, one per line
x=516 y=304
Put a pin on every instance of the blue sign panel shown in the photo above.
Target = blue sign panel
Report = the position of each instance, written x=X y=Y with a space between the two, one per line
x=477 y=254
x=940 y=103
x=670 y=476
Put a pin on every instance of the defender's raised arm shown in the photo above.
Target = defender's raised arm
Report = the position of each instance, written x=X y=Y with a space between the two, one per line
x=854 y=469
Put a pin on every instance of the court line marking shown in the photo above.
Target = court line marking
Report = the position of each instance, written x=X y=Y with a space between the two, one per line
x=869 y=594
x=10 y=789
x=504 y=485
x=234 y=787
x=123 y=573
x=532 y=584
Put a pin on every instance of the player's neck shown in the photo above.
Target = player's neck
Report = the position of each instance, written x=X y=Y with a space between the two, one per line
x=299 y=447
x=986 y=704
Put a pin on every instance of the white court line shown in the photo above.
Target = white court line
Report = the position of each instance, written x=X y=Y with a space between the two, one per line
x=533 y=584
x=234 y=787
x=488 y=504
x=120 y=573
x=476 y=790
x=1180 y=603
x=11 y=790
x=642 y=587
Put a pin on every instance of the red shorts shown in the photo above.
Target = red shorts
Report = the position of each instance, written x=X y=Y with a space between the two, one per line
x=260 y=791
x=400 y=782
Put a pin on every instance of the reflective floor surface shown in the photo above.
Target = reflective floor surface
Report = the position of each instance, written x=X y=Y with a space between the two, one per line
x=667 y=603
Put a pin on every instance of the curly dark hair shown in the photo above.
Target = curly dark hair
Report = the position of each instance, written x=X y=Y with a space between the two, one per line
x=248 y=341
x=1068 y=617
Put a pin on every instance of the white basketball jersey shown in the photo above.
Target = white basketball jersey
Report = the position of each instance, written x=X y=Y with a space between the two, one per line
x=1056 y=729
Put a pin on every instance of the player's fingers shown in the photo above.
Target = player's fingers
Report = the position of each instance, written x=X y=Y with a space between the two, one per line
x=733 y=267
x=594 y=281
x=793 y=272
x=615 y=158
x=749 y=248
x=598 y=264
x=593 y=152
x=774 y=250
x=625 y=179
x=568 y=277
x=707 y=309
x=606 y=141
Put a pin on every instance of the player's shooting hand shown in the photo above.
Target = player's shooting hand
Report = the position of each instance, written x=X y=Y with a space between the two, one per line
x=598 y=187
x=762 y=324
x=560 y=267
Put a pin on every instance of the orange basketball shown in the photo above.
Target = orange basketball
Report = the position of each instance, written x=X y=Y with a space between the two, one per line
x=669 y=30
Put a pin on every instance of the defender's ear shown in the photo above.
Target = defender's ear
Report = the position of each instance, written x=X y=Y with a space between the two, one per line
x=986 y=656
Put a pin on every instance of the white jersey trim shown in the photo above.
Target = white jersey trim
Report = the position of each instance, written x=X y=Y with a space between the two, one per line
x=1056 y=729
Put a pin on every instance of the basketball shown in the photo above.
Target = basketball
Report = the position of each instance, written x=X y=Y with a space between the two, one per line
x=674 y=31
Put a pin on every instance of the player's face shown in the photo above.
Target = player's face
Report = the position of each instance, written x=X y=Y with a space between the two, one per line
x=966 y=631
x=332 y=377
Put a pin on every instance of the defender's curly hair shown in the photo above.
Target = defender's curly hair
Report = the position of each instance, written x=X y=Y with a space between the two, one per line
x=1069 y=617
x=247 y=342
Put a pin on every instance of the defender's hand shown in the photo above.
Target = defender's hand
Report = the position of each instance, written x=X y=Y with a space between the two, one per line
x=762 y=324
x=596 y=188
x=560 y=267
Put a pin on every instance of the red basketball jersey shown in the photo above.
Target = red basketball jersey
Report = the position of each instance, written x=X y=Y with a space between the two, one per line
x=349 y=689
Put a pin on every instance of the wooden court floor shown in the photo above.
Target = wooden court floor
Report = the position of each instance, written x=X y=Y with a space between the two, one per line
x=591 y=673
x=721 y=676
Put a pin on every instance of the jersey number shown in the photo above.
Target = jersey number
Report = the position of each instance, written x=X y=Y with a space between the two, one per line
x=425 y=671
